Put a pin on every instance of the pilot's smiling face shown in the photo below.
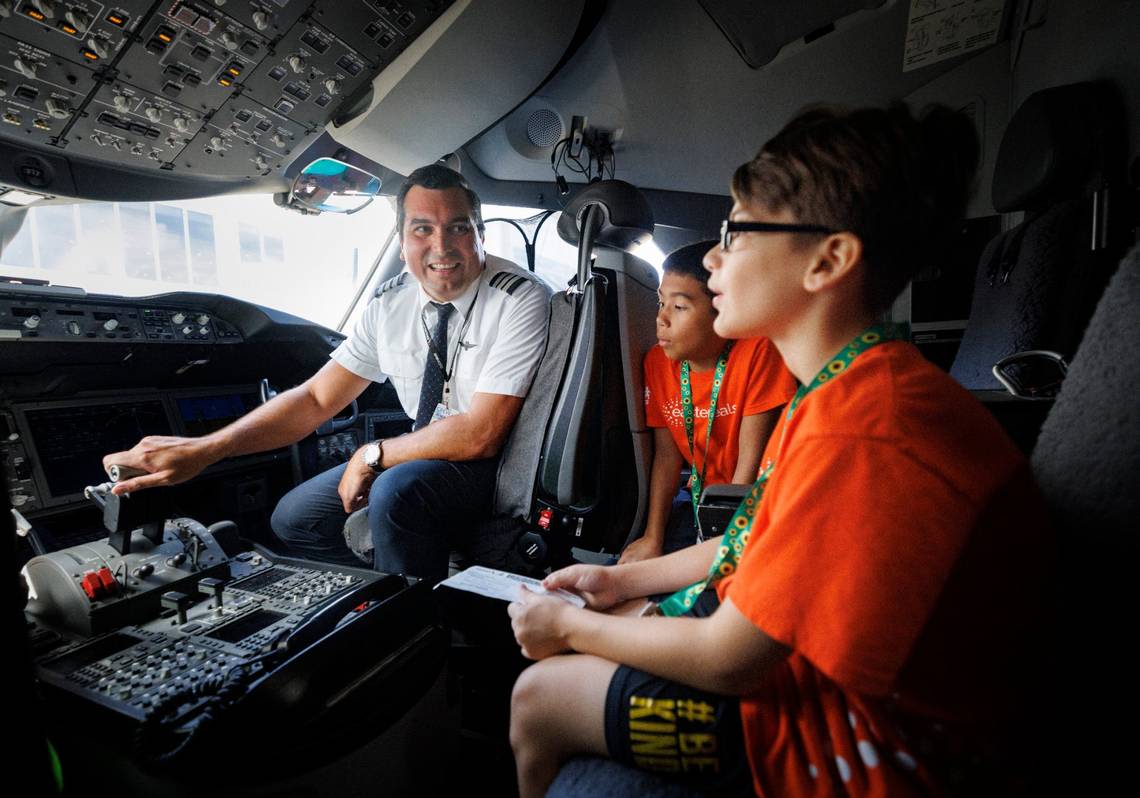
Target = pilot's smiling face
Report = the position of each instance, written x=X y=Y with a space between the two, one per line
x=440 y=242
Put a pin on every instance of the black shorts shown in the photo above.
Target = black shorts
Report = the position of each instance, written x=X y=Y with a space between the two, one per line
x=685 y=734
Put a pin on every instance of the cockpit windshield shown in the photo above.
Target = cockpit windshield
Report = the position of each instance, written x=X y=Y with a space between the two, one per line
x=242 y=246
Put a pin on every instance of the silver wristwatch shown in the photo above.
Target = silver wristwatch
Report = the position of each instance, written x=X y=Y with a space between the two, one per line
x=373 y=454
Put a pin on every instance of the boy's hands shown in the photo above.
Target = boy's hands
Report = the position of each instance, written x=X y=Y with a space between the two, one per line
x=598 y=584
x=539 y=624
x=644 y=548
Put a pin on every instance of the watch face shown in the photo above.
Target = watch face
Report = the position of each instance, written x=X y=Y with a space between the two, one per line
x=372 y=455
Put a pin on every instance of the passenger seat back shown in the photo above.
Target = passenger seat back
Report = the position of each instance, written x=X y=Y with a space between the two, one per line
x=1061 y=160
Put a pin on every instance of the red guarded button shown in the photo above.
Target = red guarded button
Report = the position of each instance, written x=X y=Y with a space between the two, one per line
x=545 y=517
x=107 y=579
x=92 y=585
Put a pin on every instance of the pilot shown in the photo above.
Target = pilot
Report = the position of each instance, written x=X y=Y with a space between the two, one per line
x=460 y=334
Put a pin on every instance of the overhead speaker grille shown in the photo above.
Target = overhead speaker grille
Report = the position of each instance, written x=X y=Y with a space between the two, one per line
x=544 y=128
x=534 y=128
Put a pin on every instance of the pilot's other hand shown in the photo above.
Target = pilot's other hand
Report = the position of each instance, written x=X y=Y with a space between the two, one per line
x=167 y=460
x=595 y=583
x=355 y=482
x=539 y=624
x=644 y=548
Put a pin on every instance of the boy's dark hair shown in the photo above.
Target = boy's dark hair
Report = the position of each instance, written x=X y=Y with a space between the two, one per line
x=899 y=183
x=438 y=178
x=688 y=262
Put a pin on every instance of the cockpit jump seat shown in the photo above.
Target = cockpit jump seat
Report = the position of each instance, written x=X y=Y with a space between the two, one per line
x=1087 y=463
x=575 y=470
x=1062 y=163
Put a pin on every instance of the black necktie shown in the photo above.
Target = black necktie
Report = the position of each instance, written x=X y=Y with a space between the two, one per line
x=432 y=390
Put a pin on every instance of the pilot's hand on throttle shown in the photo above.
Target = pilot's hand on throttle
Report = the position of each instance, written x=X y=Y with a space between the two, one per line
x=355 y=483
x=167 y=460
x=539 y=624
x=595 y=583
x=644 y=548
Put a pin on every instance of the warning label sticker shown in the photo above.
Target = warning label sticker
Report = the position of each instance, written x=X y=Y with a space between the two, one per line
x=941 y=29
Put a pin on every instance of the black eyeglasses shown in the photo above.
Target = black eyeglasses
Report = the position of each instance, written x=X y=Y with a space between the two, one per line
x=728 y=229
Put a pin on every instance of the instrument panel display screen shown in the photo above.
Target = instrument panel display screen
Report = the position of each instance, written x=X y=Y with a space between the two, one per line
x=202 y=415
x=71 y=441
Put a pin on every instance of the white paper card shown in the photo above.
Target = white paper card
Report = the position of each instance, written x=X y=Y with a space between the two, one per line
x=503 y=585
x=941 y=29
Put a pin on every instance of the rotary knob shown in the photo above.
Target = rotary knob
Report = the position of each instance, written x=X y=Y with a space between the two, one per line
x=97 y=46
x=277 y=140
x=32 y=322
x=296 y=63
x=73 y=328
x=187 y=330
x=332 y=85
x=178 y=318
x=121 y=101
x=261 y=20
x=78 y=19
x=58 y=109
x=25 y=68
x=216 y=142
x=45 y=7
x=202 y=318
x=181 y=124
x=229 y=40
x=110 y=325
x=5 y=9
x=153 y=114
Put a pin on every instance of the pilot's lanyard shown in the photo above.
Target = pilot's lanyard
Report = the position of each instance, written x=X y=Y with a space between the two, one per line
x=740 y=527
x=687 y=412
x=449 y=370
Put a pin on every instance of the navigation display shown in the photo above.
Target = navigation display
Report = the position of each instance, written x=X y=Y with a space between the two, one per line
x=202 y=415
x=72 y=440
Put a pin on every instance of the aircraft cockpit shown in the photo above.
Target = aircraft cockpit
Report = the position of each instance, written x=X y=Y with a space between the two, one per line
x=201 y=205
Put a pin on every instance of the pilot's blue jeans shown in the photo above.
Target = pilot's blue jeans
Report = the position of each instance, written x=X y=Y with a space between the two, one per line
x=417 y=511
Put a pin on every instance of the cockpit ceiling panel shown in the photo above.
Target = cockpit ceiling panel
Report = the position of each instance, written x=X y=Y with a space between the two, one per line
x=40 y=91
x=190 y=87
x=758 y=30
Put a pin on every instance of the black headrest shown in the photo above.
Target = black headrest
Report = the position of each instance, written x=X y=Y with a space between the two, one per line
x=1061 y=143
x=627 y=219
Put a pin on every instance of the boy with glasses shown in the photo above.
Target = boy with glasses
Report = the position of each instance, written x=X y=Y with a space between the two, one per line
x=881 y=583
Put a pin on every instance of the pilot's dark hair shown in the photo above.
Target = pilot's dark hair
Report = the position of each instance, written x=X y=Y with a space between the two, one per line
x=688 y=262
x=438 y=178
x=898 y=182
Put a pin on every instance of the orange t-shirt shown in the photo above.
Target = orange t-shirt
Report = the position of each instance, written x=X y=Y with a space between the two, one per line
x=898 y=549
x=755 y=380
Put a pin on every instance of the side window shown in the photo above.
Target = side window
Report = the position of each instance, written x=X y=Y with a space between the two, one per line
x=555 y=260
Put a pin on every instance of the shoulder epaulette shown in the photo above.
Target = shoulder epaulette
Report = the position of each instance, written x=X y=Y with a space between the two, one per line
x=395 y=282
x=510 y=281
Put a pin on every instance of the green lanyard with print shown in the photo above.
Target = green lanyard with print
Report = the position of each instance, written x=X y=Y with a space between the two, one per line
x=739 y=529
x=688 y=412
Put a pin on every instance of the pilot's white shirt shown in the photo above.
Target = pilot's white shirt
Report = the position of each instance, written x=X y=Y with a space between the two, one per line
x=499 y=351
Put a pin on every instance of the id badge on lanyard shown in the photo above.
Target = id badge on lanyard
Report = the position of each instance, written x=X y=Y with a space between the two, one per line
x=444 y=409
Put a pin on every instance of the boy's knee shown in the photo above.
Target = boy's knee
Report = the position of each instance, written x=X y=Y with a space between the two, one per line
x=528 y=704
